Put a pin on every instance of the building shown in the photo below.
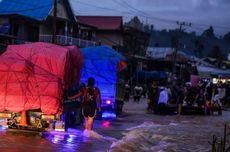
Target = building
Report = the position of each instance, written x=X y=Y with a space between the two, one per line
x=42 y=20
x=167 y=54
x=109 y=29
x=136 y=40
x=169 y=59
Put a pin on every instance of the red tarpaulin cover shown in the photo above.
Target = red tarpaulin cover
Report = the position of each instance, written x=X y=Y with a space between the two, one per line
x=34 y=75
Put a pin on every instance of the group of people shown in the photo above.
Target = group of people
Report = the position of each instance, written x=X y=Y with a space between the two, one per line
x=138 y=92
x=205 y=95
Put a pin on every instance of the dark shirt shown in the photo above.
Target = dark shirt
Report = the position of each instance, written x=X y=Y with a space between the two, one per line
x=90 y=97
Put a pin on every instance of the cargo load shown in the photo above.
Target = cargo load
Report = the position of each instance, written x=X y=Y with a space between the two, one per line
x=35 y=75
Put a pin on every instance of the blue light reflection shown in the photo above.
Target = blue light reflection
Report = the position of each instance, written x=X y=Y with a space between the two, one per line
x=108 y=115
x=68 y=139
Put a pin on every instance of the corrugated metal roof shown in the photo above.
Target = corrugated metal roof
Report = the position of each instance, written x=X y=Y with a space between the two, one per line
x=35 y=9
x=204 y=70
x=102 y=22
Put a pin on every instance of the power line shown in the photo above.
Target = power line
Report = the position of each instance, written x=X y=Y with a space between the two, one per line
x=181 y=24
x=133 y=8
x=127 y=12
x=215 y=26
x=121 y=4
x=146 y=15
x=99 y=7
x=167 y=20
x=137 y=12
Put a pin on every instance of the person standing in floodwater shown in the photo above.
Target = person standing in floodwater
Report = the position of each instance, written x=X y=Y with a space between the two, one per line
x=91 y=102
x=137 y=92
x=153 y=94
x=127 y=91
x=180 y=97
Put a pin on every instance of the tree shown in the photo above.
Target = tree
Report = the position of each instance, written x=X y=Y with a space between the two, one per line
x=209 y=33
x=135 y=23
x=146 y=28
x=196 y=47
x=227 y=37
x=199 y=48
x=217 y=54
x=174 y=41
x=152 y=27
x=164 y=31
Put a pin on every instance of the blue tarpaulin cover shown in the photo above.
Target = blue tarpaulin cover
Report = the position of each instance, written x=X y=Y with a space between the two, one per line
x=102 y=64
x=35 y=9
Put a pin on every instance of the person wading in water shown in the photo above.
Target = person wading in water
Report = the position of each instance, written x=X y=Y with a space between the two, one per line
x=91 y=102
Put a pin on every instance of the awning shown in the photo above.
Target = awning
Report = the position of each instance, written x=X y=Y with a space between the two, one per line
x=161 y=75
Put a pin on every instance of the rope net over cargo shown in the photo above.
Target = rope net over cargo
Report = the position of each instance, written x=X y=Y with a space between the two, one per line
x=34 y=76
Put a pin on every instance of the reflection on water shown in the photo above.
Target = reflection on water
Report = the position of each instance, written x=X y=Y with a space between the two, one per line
x=78 y=140
x=71 y=141
x=141 y=133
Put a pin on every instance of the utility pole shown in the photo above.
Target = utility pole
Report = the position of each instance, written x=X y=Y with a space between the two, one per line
x=181 y=24
x=54 y=22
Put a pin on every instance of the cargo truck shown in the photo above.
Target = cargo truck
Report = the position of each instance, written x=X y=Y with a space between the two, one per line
x=33 y=79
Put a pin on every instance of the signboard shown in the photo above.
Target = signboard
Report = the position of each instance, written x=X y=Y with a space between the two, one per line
x=194 y=80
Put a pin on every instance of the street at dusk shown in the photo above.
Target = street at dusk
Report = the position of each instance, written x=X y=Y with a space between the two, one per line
x=133 y=131
x=114 y=76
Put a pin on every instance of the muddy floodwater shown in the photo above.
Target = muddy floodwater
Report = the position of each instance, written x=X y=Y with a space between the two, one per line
x=134 y=131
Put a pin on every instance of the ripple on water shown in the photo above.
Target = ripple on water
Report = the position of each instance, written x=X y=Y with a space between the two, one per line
x=176 y=136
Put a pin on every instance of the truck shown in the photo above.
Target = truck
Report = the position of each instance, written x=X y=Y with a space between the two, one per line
x=34 y=77
x=103 y=64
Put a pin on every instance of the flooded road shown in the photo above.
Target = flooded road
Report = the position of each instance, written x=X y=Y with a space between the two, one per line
x=134 y=131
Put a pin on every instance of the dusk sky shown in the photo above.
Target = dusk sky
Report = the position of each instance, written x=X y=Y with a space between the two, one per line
x=163 y=13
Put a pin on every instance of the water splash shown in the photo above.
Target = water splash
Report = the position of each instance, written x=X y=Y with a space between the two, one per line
x=142 y=138
x=173 y=124
x=148 y=124
x=94 y=134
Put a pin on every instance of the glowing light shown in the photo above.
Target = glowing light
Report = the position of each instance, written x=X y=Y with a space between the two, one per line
x=223 y=80
x=108 y=115
x=3 y=128
x=57 y=139
x=108 y=102
x=106 y=124
x=214 y=80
